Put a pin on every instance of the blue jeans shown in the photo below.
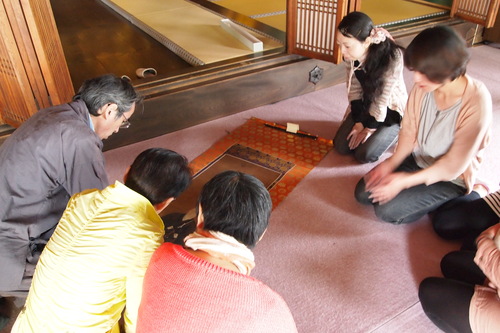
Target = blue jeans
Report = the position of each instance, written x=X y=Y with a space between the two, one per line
x=370 y=151
x=413 y=203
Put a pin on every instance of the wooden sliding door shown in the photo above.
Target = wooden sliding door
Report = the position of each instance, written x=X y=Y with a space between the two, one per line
x=482 y=12
x=311 y=26
x=33 y=71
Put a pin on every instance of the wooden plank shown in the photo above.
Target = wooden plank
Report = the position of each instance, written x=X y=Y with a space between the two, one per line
x=243 y=36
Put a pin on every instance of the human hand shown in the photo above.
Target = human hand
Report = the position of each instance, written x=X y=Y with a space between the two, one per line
x=388 y=187
x=354 y=136
x=496 y=237
x=376 y=174
x=361 y=137
x=492 y=232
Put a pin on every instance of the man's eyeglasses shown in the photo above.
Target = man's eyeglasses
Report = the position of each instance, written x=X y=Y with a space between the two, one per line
x=125 y=122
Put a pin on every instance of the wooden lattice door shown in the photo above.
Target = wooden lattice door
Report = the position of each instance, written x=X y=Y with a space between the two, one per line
x=33 y=71
x=311 y=26
x=482 y=12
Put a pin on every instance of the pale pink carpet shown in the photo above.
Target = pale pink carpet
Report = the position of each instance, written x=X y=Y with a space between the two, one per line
x=335 y=264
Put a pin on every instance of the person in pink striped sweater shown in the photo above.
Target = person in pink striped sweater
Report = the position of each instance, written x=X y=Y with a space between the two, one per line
x=467 y=298
x=204 y=286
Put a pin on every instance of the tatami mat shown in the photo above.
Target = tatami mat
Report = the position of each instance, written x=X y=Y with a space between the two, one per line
x=397 y=11
x=277 y=21
x=253 y=7
x=189 y=30
x=270 y=12
x=440 y=3
x=273 y=12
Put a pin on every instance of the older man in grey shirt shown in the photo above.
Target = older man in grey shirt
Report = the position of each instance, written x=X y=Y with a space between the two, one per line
x=53 y=155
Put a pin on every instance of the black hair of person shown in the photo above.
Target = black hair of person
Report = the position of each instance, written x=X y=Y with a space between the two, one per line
x=439 y=53
x=159 y=174
x=106 y=89
x=380 y=56
x=236 y=204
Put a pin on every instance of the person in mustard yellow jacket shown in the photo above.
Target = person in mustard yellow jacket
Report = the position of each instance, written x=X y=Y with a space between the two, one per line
x=93 y=266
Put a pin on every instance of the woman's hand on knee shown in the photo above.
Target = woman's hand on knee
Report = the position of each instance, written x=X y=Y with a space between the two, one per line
x=388 y=188
x=359 y=137
x=376 y=174
x=353 y=135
